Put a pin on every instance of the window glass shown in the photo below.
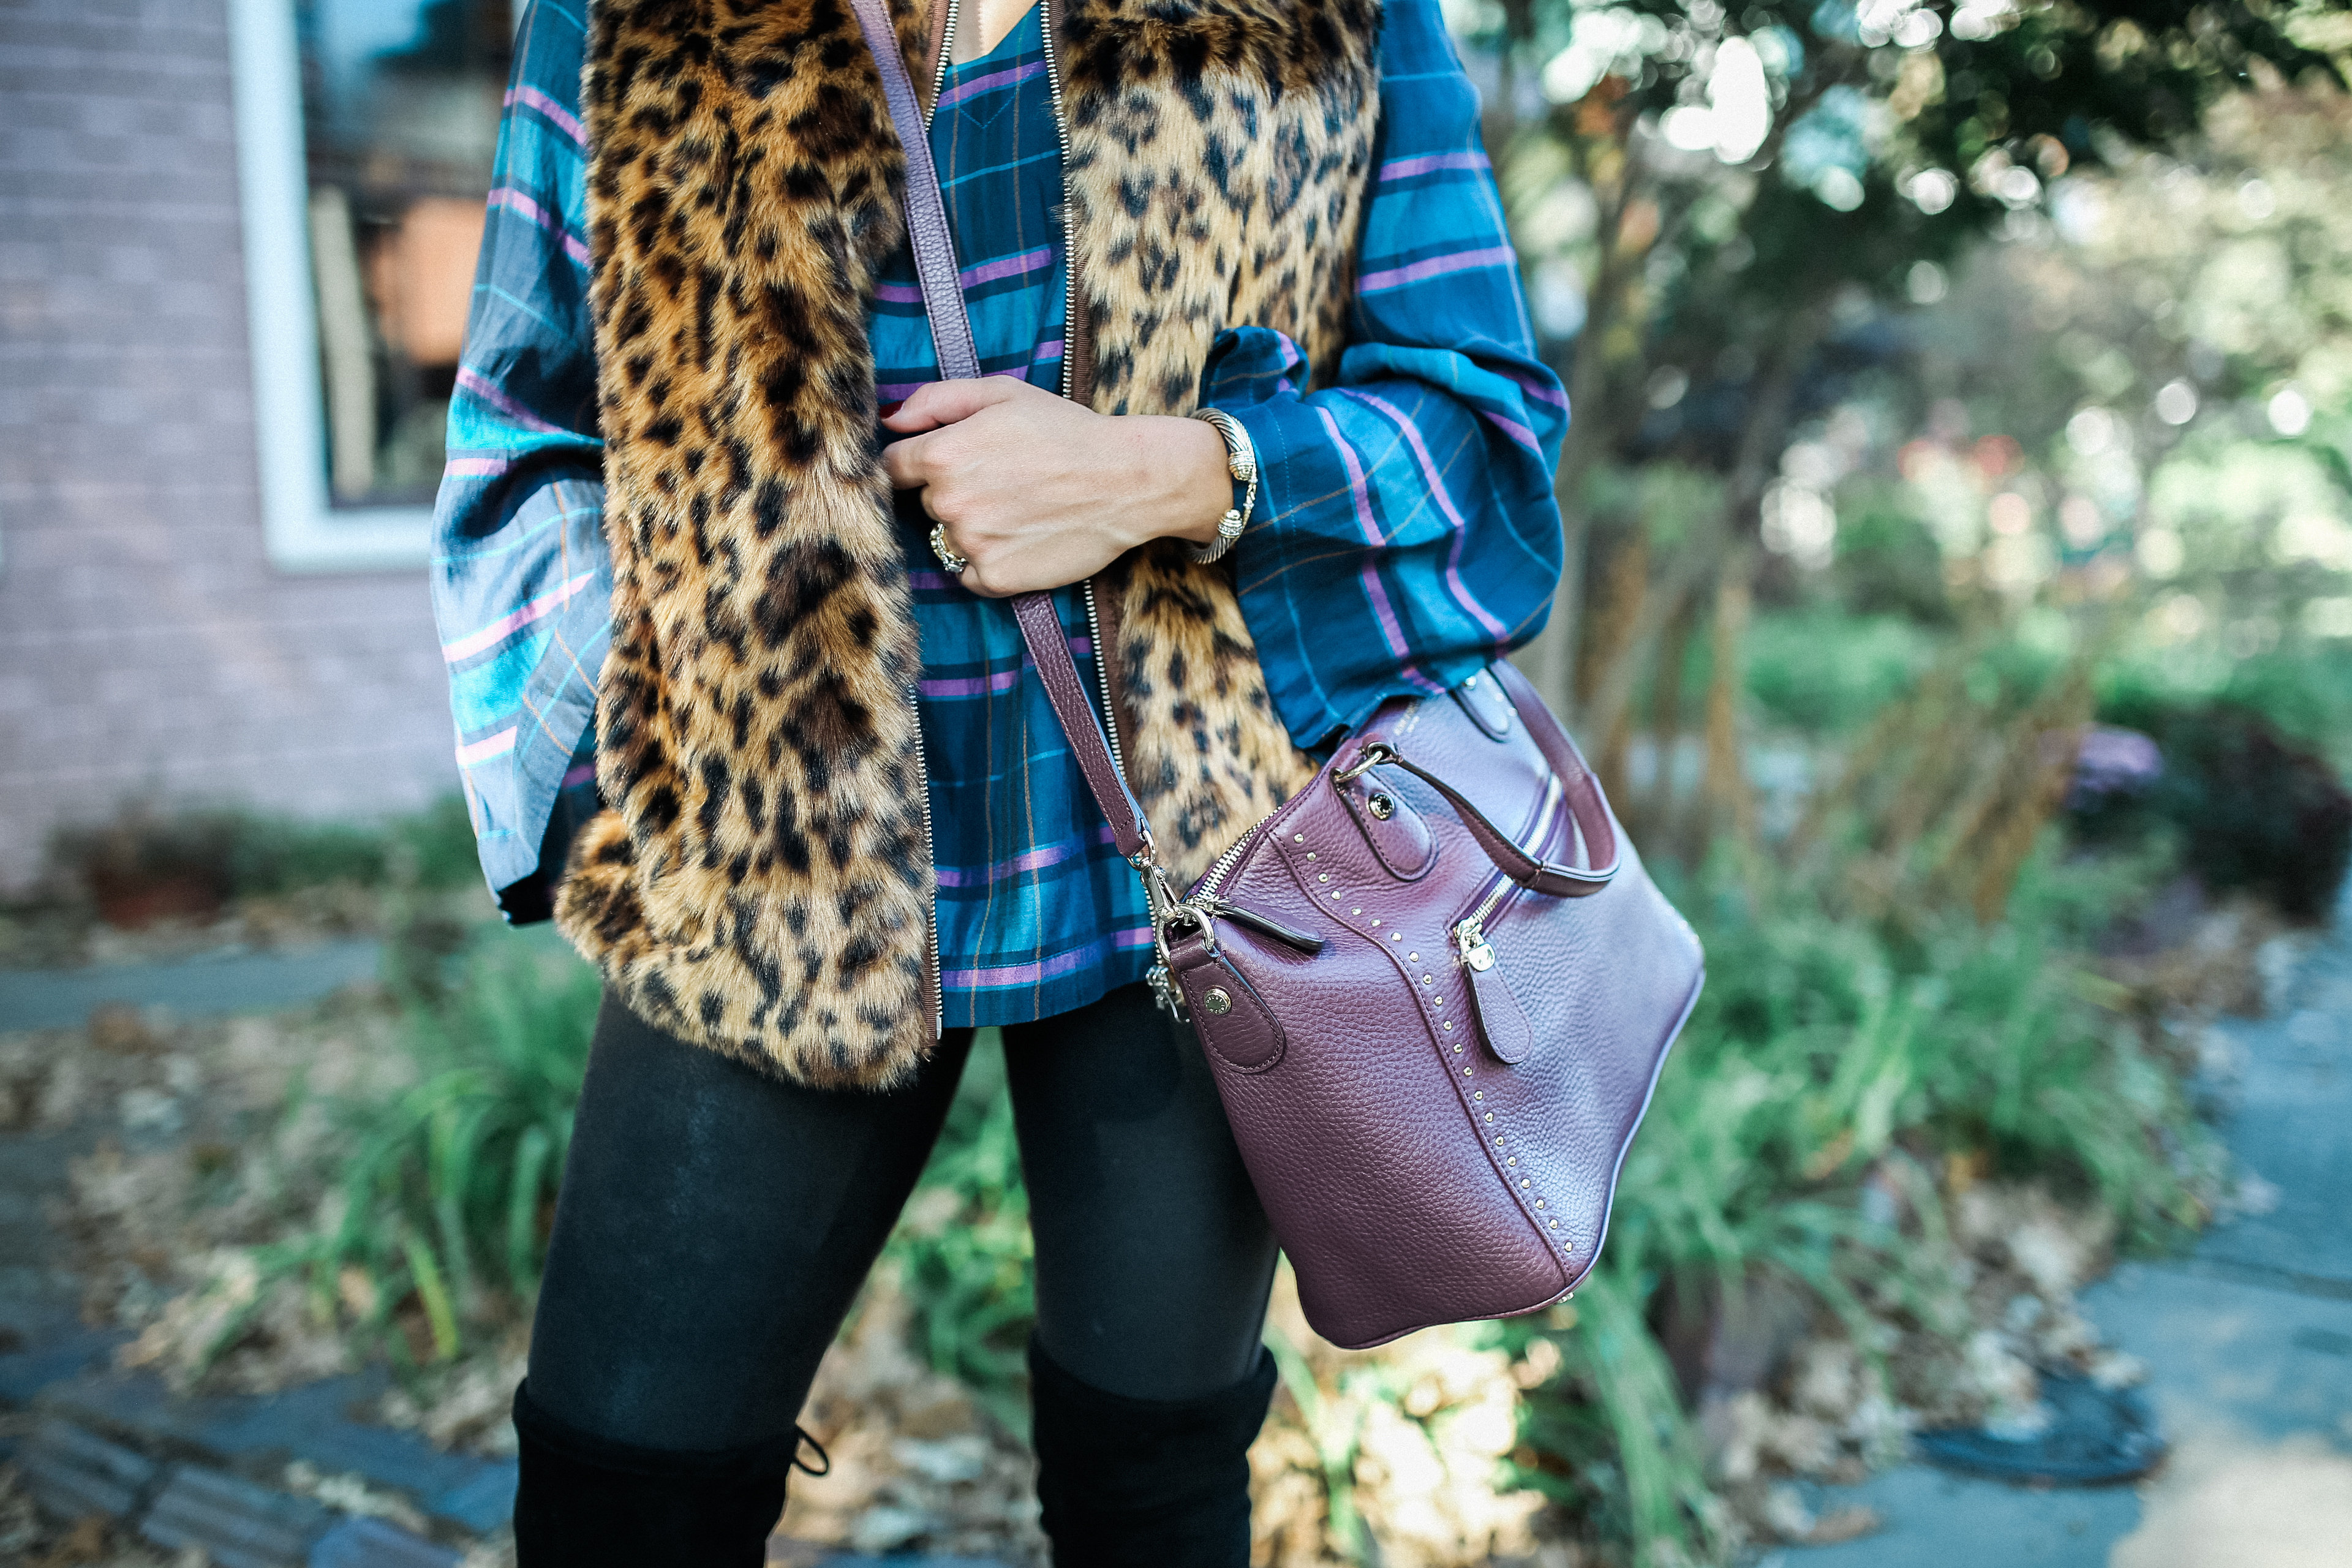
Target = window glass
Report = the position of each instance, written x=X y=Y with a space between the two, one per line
x=400 y=120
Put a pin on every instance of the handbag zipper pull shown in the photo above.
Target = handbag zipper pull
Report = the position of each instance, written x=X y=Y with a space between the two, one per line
x=1502 y=1023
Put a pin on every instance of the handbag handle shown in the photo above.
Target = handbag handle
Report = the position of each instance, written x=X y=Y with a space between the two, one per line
x=933 y=245
x=1586 y=802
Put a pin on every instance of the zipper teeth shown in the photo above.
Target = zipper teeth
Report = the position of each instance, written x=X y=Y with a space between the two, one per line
x=1069 y=314
x=1205 y=890
x=1102 y=673
x=940 y=76
x=932 y=854
x=1547 y=822
x=1069 y=246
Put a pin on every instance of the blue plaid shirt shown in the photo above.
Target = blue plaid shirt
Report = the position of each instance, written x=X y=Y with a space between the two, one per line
x=1405 y=532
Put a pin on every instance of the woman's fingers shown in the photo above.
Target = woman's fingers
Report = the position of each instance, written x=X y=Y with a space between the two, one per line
x=908 y=463
x=939 y=403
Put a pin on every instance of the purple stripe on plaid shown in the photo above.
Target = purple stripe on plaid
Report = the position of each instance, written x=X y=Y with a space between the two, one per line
x=584 y=773
x=1514 y=429
x=547 y=109
x=1436 y=267
x=476 y=467
x=1359 y=491
x=1028 y=261
x=488 y=746
x=1444 y=499
x=1430 y=162
x=899 y=293
x=988 y=83
x=972 y=685
x=539 y=609
x=490 y=391
x=899 y=390
x=1035 y=859
x=1541 y=391
x=517 y=202
x=1065 y=963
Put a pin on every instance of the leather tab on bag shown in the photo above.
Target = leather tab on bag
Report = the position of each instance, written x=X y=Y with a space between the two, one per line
x=1391 y=825
x=1227 y=1011
x=1501 y=1022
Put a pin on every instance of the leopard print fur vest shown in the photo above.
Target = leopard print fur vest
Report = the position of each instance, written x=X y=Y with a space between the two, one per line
x=761 y=882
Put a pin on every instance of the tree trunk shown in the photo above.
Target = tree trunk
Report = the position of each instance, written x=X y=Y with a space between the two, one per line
x=1655 y=813
x=1729 y=803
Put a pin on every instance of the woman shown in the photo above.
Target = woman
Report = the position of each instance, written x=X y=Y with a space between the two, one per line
x=823 y=824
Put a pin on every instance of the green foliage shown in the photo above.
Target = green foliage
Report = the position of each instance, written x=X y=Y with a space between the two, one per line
x=217 y=855
x=962 y=1251
x=1827 y=672
x=2251 y=810
x=2304 y=690
x=446 y=1187
x=1887 y=561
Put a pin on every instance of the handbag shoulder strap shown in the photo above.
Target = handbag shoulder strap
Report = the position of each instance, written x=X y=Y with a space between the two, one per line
x=933 y=244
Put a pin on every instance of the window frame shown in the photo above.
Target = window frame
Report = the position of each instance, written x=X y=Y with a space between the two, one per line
x=304 y=531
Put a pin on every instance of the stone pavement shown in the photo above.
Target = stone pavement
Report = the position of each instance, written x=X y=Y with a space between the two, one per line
x=191 y=987
x=2247 y=1341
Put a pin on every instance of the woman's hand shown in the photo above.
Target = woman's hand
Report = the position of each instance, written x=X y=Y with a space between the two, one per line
x=1038 y=491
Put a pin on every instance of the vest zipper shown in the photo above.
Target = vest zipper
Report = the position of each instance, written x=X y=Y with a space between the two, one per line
x=940 y=75
x=930 y=852
x=1069 y=361
x=914 y=691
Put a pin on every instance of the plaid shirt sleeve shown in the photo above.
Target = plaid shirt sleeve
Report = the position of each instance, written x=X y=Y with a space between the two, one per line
x=1405 y=533
x=521 y=581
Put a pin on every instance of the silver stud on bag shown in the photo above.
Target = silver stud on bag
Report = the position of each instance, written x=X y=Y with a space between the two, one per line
x=1218 y=1001
x=1381 y=807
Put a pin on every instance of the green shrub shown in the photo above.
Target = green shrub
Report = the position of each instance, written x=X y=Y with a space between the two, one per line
x=2251 y=809
x=448 y=1187
x=146 y=862
x=1827 y=672
x=962 y=1250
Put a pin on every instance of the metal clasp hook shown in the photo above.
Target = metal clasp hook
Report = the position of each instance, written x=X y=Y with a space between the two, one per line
x=1374 y=753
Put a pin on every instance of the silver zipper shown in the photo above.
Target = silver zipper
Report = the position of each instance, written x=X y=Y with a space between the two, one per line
x=1470 y=933
x=1204 y=892
x=1069 y=246
x=939 y=77
x=1069 y=316
x=931 y=854
x=1102 y=677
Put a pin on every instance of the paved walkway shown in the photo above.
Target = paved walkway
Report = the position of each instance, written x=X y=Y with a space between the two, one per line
x=191 y=987
x=2248 y=1339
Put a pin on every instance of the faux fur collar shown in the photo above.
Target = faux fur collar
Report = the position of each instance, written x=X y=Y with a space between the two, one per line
x=762 y=883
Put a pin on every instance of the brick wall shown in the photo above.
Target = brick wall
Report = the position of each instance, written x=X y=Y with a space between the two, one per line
x=148 y=647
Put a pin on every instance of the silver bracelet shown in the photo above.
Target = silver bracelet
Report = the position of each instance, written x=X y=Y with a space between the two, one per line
x=1241 y=462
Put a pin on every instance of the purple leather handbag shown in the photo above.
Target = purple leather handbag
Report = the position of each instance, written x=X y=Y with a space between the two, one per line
x=1435 y=986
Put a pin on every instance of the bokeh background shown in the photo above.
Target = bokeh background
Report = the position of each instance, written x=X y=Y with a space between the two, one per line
x=1959 y=611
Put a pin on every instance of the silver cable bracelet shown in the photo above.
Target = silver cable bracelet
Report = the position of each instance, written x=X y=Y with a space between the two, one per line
x=1241 y=462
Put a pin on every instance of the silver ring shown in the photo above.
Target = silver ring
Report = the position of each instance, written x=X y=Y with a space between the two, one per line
x=956 y=565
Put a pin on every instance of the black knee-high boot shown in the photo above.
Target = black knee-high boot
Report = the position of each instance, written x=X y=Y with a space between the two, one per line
x=584 y=1502
x=1145 y=1483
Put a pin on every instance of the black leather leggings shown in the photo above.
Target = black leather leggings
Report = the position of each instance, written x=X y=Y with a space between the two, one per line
x=714 y=1225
